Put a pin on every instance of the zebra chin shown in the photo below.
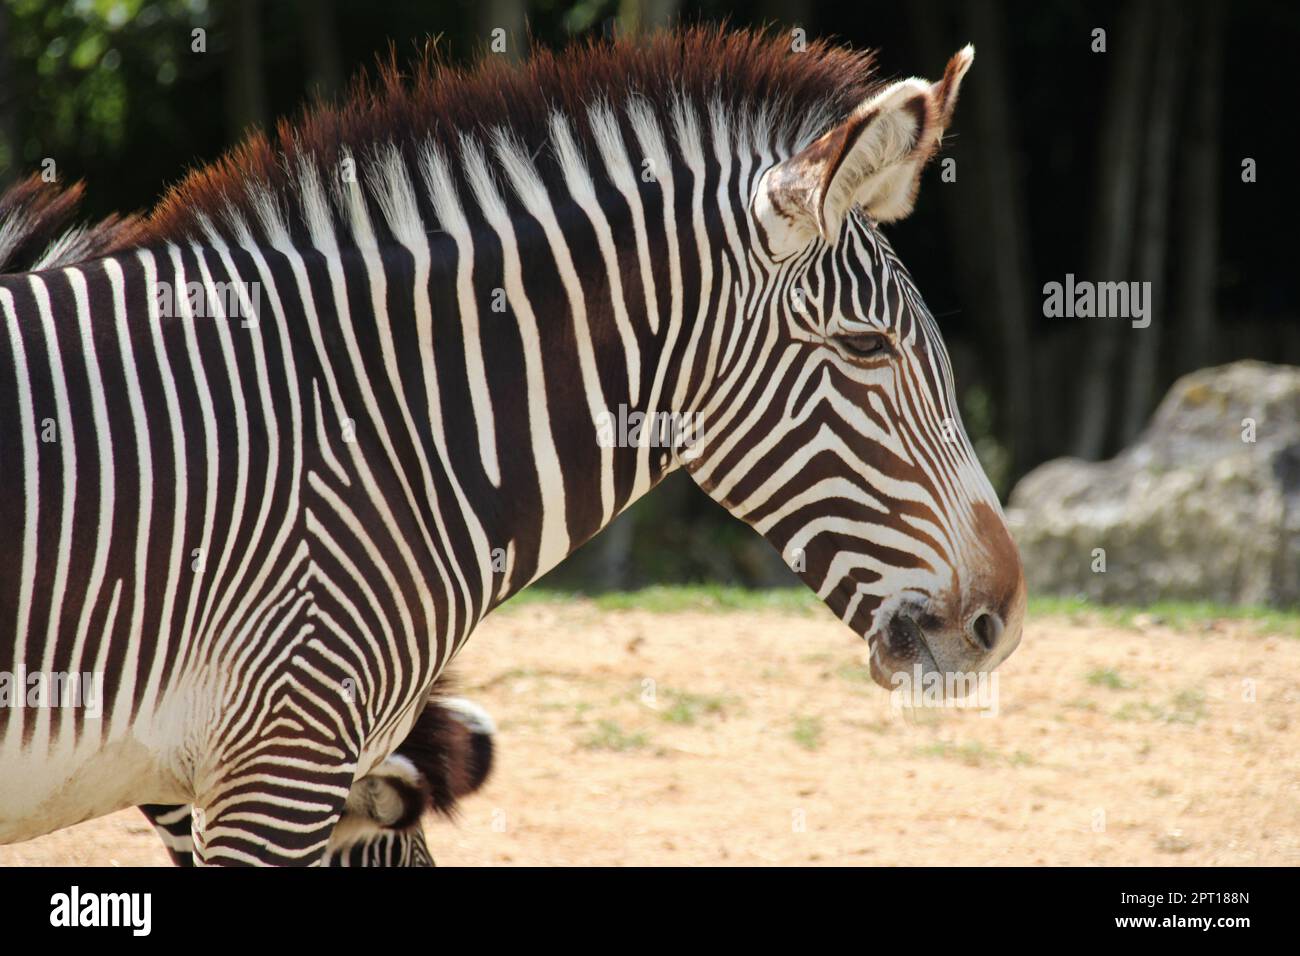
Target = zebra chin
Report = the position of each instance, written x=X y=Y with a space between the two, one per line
x=910 y=642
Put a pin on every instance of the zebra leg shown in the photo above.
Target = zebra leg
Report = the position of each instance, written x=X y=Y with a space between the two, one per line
x=452 y=748
x=447 y=755
x=353 y=845
x=350 y=844
x=172 y=823
x=278 y=807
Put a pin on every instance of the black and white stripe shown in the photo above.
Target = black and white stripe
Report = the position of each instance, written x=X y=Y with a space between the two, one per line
x=447 y=756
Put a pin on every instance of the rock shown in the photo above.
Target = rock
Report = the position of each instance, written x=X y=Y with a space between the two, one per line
x=1205 y=506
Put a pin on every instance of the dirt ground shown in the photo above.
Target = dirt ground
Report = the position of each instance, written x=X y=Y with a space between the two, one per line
x=629 y=737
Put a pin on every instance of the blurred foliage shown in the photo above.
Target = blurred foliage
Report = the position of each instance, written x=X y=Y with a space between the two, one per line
x=980 y=419
x=116 y=93
x=103 y=81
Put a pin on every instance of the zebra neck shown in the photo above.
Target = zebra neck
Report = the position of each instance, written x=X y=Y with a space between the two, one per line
x=615 y=331
x=503 y=390
x=511 y=411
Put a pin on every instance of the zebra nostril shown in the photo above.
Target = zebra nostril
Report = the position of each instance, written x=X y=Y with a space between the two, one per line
x=984 y=630
x=903 y=635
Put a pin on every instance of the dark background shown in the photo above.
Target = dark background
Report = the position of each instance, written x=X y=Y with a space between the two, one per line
x=1123 y=165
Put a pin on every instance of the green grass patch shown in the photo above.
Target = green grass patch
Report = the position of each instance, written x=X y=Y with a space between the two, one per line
x=531 y=596
x=855 y=673
x=1185 y=707
x=1109 y=678
x=669 y=598
x=709 y=598
x=807 y=732
x=686 y=709
x=974 y=754
x=608 y=735
x=1179 y=615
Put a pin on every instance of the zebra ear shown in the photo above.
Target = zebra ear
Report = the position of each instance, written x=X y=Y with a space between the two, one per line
x=874 y=159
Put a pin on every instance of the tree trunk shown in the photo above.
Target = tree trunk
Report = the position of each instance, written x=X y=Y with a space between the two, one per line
x=611 y=565
x=987 y=223
x=1005 y=243
x=1198 y=253
x=1111 y=245
x=1157 y=171
x=320 y=36
x=10 y=148
x=245 y=86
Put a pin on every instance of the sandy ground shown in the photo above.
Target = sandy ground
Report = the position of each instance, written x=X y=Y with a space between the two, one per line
x=757 y=738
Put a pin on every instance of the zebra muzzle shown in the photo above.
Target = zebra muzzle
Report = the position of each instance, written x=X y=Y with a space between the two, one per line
x=905 y=638
x=900 y=644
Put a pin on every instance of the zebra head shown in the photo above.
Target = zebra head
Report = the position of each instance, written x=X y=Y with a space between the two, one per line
x=844 y=446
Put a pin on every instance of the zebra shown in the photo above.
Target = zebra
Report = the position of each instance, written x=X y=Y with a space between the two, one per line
x=264 y=522
x=447 y=755
x=449 y=752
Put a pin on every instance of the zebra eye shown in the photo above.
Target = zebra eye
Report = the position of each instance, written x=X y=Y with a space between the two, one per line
x=864 y=344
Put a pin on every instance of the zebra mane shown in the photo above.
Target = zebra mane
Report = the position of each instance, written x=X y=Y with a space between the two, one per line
x=754 y=83
x=37 y=230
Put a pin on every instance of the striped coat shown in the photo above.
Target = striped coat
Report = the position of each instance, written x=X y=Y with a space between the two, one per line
x=270 y=456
